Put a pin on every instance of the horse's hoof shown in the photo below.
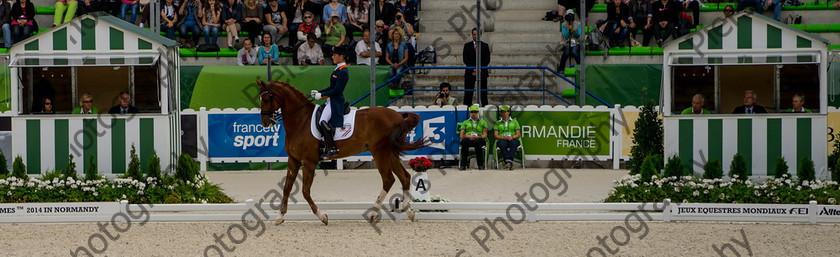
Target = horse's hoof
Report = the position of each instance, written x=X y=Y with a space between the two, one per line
x=325 y=219
x=279 y=221
x=410 y=214
x=373 y=217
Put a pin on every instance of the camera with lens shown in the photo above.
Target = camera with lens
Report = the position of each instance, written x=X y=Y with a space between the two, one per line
x=442 y=94
x=570 y=17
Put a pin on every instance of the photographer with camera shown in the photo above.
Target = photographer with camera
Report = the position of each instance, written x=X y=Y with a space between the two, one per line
x=570 y=39
x=444 y=96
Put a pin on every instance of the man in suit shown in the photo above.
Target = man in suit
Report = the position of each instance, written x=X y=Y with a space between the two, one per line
x=470 y=50
x=333 y=115
x=749 y=106
x=124 y=106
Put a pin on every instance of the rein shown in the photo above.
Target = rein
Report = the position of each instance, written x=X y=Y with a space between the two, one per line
x=276 y=115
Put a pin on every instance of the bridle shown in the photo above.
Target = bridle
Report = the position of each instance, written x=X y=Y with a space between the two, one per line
x=276 y=115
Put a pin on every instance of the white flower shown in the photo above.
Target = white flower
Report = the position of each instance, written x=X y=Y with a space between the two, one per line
x=676 y=189
x=695 y=193
x=95 y=193
x=123 y=196
x=203 y=201
x=832 y=200
x=73 y=186
x=757 y=193
x=722 y=196
x=705 y=192
x=798 y=188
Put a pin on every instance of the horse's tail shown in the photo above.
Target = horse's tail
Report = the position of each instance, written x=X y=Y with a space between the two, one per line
x=397 y=139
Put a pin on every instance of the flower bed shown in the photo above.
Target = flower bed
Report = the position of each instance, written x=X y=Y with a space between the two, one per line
x=146 y=190
x=691 y=189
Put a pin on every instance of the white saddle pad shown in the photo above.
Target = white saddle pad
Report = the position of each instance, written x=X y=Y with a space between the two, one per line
x=340 y=133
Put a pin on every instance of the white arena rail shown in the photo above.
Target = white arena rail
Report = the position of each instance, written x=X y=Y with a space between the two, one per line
x=662 y=211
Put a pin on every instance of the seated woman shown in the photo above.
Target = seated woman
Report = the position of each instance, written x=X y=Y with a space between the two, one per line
x=47 y=106
x=23 y=23
x=618 y=18
x=396 y=53
x=336 y=35
x=211 y=21
x=191 y=11
x=507 y=132
x=168 y=19
x=85 y=105
x=64 y=11
x=135 y=7
x=268 y=51
x=798 y=105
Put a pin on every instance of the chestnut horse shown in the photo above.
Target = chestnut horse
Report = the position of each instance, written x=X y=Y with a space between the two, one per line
x=380 y=130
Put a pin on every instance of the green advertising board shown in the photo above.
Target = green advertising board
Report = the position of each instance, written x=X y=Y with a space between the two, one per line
x=235 y=86
x=557 y=134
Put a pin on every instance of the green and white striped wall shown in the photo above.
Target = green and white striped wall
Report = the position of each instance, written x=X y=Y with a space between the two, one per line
x=760 y=139
x=45 y=143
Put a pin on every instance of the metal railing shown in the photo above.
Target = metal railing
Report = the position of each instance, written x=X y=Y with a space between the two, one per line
x=543 y=90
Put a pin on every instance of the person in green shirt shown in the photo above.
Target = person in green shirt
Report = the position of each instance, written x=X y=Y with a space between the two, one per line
x=473 y=134
x=85 y=105
x=336 y=35
x=697 y=102
x=507 y=132
x=798 y=103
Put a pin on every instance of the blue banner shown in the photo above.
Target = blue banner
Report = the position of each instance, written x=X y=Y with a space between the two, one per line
x=242 y=135
x=441 y=128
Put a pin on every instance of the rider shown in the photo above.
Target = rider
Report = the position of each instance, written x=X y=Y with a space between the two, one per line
x=333 y=115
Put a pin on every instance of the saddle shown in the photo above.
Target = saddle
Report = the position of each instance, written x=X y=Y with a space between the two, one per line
x=320 y=110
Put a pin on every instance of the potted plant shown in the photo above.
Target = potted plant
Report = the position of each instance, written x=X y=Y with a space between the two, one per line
x=420 y=181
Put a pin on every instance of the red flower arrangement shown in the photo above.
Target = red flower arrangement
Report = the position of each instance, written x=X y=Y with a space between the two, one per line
x=420 y=164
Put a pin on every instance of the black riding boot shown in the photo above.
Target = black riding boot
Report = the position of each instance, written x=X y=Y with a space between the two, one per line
x=328 y=131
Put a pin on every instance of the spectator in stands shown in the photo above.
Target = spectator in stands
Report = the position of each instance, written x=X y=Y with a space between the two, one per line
x=294 y=11
x=252 y=16
x=23 y=23
x=473 y=134
x=697 y=102
x=618 y=16
x=64 y=11
x=334 y=7
x=310 y=53
x=363 y=50
x=191 y=11
x=381 y=38
x=47 y=106
x=268 y=51
x=749 y=106
x=798 y=105
x=385 y=11
x=469 y=58
x=275 y=21
x=124 y=106
x=641 y=16
x=336 y=35
x=570 y=31
x=135 y=7
x=728 y=11
x=85 y=105
x=761 y=5
x=444 y=97
x=247 y=55
x=309 y=26
x=507 y=132
x=90 y=6
x=168 y=18
x=6 y=22
x=409 y=9
x=694 y=5
x=211 y=21
x=396 y=53
x=315 y=7
x=231 y=17
x=665 y=17
x=399 y=22
x=563 y=5
x=357 y=17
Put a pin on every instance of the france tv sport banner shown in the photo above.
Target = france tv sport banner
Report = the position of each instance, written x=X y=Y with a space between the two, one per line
x=238 y=135
x=553 y=134
x=441 y=128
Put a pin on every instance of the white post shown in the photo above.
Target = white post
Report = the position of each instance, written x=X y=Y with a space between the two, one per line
x=616 y=138
x=201 y=126
x=812 y=212
x=123 y=208
x=339 y=164
x=248 y=204
x=667 y=210
x=532 y=214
